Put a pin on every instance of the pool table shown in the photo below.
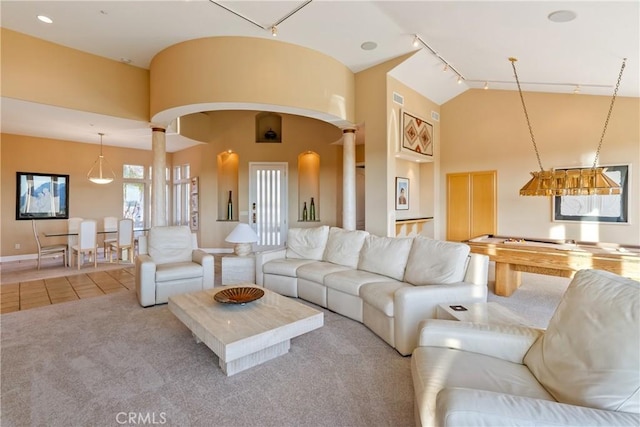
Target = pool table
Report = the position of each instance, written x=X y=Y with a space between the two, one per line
x=513 y=255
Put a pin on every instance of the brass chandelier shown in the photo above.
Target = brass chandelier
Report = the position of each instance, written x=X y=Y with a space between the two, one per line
x=570 y=182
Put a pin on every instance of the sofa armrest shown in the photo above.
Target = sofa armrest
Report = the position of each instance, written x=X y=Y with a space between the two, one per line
x=507 y=342
x=462 y=406
x=206 y=261
x=145 y=277
x=412 y=304
x=265 y=256
x=477 y=269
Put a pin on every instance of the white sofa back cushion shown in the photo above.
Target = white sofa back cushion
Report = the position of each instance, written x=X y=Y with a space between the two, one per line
x=434 y=262
x=385 y=255
x=170 y=244
x=590 y=353
x=343 y=246
x=307 y=243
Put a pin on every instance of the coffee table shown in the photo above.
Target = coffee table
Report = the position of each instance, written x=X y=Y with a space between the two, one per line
x=244 y=335
x=480 y=312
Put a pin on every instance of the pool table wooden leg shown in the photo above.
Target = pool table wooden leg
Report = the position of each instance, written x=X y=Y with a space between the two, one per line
x=508 y=279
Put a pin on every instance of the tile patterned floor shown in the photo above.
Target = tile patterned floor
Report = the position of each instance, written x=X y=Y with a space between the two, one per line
x=41 y=292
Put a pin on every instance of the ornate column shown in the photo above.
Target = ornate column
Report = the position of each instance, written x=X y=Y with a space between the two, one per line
x=158 y=178
x=349 y=179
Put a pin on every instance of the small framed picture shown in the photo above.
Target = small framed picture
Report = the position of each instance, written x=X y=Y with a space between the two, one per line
x=194 y=185
x=194 y=222
x=402 y=194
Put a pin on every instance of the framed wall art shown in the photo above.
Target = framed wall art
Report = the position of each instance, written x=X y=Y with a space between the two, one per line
x=42 y=196
x=402 y=194
x=612 y=208
x=417 y=135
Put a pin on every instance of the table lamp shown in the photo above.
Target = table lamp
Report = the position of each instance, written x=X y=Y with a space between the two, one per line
x=243 y=236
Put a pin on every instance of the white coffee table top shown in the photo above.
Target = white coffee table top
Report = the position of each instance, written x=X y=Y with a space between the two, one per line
x=235 y=331
x=480 y=312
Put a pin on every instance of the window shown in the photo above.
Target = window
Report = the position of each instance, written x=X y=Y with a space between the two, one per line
x=134 y=195
x=181 y=192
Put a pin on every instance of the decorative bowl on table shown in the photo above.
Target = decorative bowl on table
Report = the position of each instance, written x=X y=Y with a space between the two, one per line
x=238 y=295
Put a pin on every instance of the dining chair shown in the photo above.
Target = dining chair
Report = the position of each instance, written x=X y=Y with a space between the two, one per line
x=123 y=242
x=49 y=251
x=109 y=223
x=73 y=224
x=87 y=242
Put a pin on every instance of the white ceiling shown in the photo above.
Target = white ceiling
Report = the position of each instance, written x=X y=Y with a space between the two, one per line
x=475 y=37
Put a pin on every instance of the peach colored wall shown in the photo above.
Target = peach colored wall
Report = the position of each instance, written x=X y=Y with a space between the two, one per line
x=250 y=70
x=373 y=104
x=38 y=71
x=483 y=130
x=87 y=200
x=423 y=177
x=235 y=130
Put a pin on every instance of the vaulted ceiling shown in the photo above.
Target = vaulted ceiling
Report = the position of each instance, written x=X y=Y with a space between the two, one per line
x=474 y=38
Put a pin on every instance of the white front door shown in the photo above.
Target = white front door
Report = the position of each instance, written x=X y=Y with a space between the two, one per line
x=268 y=203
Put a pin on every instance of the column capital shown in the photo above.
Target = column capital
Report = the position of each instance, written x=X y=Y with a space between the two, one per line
x=158 y=129
x=349 y=130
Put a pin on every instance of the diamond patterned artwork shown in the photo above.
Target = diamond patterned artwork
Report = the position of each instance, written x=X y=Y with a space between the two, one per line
x=417 y=134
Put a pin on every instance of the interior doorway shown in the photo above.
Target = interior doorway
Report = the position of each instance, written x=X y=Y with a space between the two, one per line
x=268 y=203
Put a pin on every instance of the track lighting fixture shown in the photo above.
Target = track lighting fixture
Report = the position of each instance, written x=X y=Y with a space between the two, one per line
x=486 y=85
x=418 y=41
x=274 y=31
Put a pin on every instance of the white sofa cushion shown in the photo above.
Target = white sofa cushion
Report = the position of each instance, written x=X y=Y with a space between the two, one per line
x=590 y=357
x=385 y=255
x=343 y=246
x=435 y=369
x=316 y=271
x=349 y=281
x=380 y=295
x=170 y=244
x=284 y=266
x=177 y=271
x=307 y=243
x=434 y=262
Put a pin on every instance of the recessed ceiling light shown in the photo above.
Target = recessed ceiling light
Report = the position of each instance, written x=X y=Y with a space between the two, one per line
x=45 y=19
x=368 y=45
x=562 y=16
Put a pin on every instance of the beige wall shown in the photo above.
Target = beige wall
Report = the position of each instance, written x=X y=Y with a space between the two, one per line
x=86 y=200
x=38 y=71
x=248 y=70
x=483 y=130
x=373 y=101
x=423 y=177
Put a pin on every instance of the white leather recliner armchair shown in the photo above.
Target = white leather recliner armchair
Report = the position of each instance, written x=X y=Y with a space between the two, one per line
x=581 y=371
x=170 y=263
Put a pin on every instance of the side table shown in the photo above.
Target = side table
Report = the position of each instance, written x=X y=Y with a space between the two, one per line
x=238 y=269
x=480 y=312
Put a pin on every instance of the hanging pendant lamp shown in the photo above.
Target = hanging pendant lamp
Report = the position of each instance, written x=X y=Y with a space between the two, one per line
x=570 y=182
x=101 y=172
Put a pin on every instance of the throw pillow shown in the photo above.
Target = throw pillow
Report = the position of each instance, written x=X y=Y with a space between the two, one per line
x=590 y=353
x=343 y=246
x=307 y=243
x=385 y=255
x=434 y=262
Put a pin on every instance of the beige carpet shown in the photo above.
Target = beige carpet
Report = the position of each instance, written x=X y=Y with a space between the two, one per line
x=95 y=361
x=82 y=363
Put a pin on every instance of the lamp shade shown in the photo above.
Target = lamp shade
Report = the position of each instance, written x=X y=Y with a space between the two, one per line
x=243 y=233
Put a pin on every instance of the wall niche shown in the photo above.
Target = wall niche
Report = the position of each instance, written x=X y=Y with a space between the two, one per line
x=228 y=186
x=309 y=186
x=268 y=127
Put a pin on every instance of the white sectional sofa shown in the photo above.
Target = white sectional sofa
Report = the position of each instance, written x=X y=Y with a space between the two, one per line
x=388 y=283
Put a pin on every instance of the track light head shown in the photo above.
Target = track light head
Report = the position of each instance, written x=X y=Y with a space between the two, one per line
x=274 y=31
x=416 y=41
